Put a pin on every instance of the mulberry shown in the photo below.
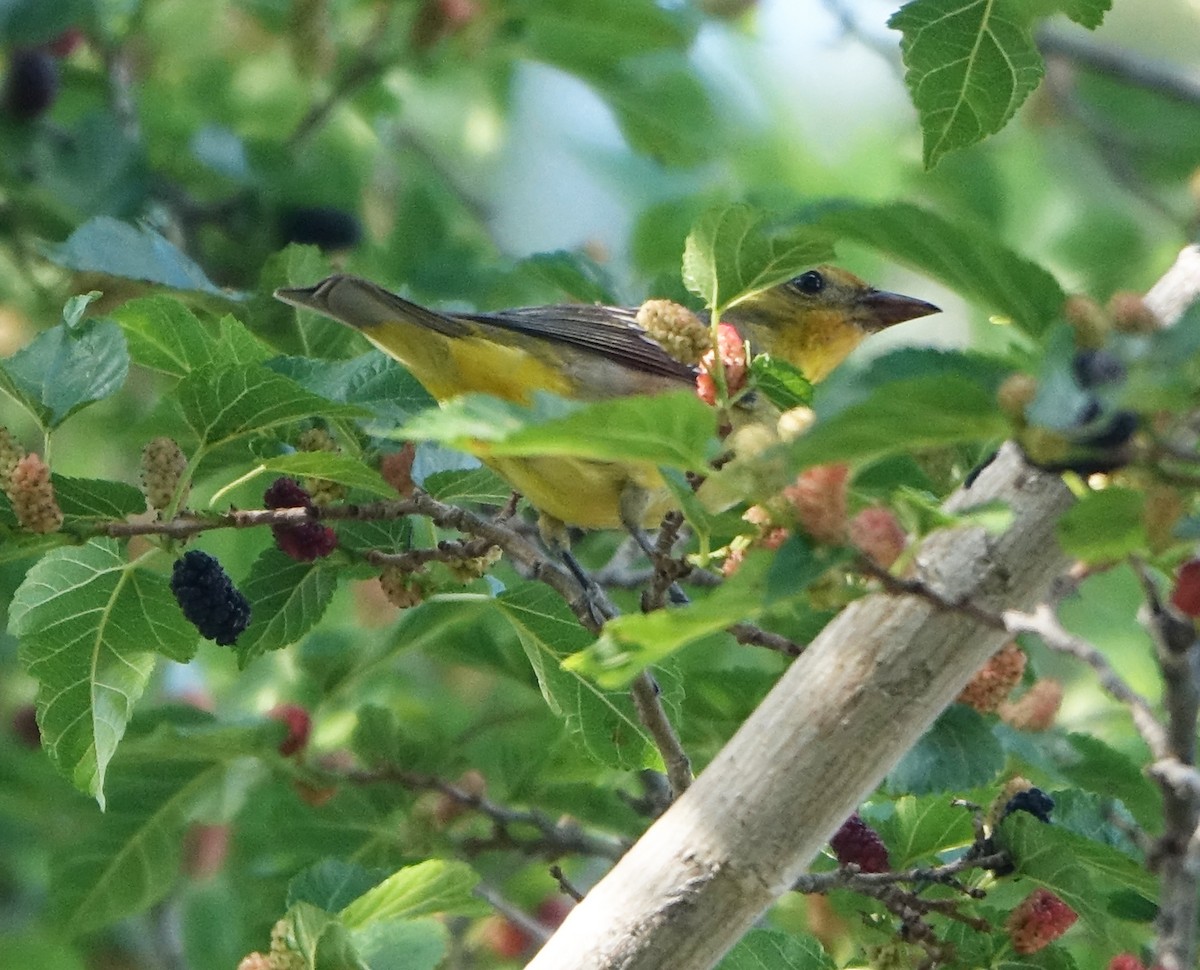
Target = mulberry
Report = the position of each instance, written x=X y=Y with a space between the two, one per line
x=676 y=329
x=11 y=452
x=819 y=499
x=876 y=534
x=302 y=541
x=732 y=350
x=1039 y=919
x=994 y=681
x=163 y=465
x=32 y=495
x=856 y=843
x=208 y=598
x=323 y=491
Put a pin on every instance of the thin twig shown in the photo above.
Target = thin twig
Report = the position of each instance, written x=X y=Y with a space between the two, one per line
x=534 y=929
x=647 y=700
x=564 y=884
x=1046 y=625
x=555 y=838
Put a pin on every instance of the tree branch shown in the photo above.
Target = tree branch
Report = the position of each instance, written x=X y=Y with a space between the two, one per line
x=820 y=742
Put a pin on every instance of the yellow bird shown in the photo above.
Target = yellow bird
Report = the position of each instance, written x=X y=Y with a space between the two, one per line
x=588 y=353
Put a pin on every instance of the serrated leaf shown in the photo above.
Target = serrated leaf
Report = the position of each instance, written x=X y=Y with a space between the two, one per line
x=674 y=429
x=1104 y=526
x=373 y=380
x=970 y=64
x=732 y=253
x=603 y=722
x=221 y=404
x=1098 y=767
x=772 y=950
x=330 y=466
x=1078 y=869
x=90 y=624
x=766 y=579
x=131 y=860
x=956 y=753
x=1086 y=13
x=287 y=599
x=165 y=336
x=782 y=384
x=921 y=828
x=480 y=485
x=966 y=258
x=89 y=498
x=388 y=535
x=66 y=368
x=115 y=248
x=433 y=886
x=333 y=884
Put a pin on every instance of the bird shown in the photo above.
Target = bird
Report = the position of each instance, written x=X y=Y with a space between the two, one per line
x=589 y=352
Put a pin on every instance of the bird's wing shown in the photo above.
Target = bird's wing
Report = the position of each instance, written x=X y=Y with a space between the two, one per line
x=611 y=332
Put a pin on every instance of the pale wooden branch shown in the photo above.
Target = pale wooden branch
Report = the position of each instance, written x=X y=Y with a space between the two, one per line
x=839 y=718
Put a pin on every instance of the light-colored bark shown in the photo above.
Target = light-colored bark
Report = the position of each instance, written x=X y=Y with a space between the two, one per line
x=840 y=717
x=833 y=726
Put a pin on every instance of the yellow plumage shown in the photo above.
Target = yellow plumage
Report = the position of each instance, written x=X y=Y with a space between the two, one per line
x=595 y=352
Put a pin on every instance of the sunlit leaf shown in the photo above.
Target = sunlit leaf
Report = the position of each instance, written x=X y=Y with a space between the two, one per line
x=90 y=624
x=970 y=64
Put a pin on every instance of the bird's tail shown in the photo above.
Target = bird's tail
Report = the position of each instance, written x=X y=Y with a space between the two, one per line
x=363 y=305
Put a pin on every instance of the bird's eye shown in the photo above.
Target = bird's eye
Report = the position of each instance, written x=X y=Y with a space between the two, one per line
x=811 y=282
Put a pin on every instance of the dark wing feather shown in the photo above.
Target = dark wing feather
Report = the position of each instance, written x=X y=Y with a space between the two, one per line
x=611 y=332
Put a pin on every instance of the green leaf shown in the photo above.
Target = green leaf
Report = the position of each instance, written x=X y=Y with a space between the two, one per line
x=922 y=828
x=373 y=381
x=66 y=368
x=419 y=944
x=222 y=404
x=90 y=623
x=970 y=64
x=302 y=333
x=967 y=258
x=1086 y=13
x=330 y=466
x=903 y=402
x=165 y=336
x=732 y=252
x=1099 y=767
x=576 y=276
x=637 y=88
x=602 y=722
x=131 y=860
x=1104 y=526
x=333 y=884
x=115 y=248
x=1081 y=871
x=782 y=384
x=588 y=36
x=322 y=939
x=766 y=579
x=433 y=886
x=90 y=498
x=772 y=950
x=958 y=752
x=287 y=599
x=674 y=429
x=479 y=485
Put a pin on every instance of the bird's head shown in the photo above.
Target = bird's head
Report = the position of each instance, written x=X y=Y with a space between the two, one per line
x=815 y=319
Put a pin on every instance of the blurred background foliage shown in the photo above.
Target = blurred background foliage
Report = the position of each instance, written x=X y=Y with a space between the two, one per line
x=440 y=146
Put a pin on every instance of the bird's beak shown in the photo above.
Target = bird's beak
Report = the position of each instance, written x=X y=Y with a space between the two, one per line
x=883 y=309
